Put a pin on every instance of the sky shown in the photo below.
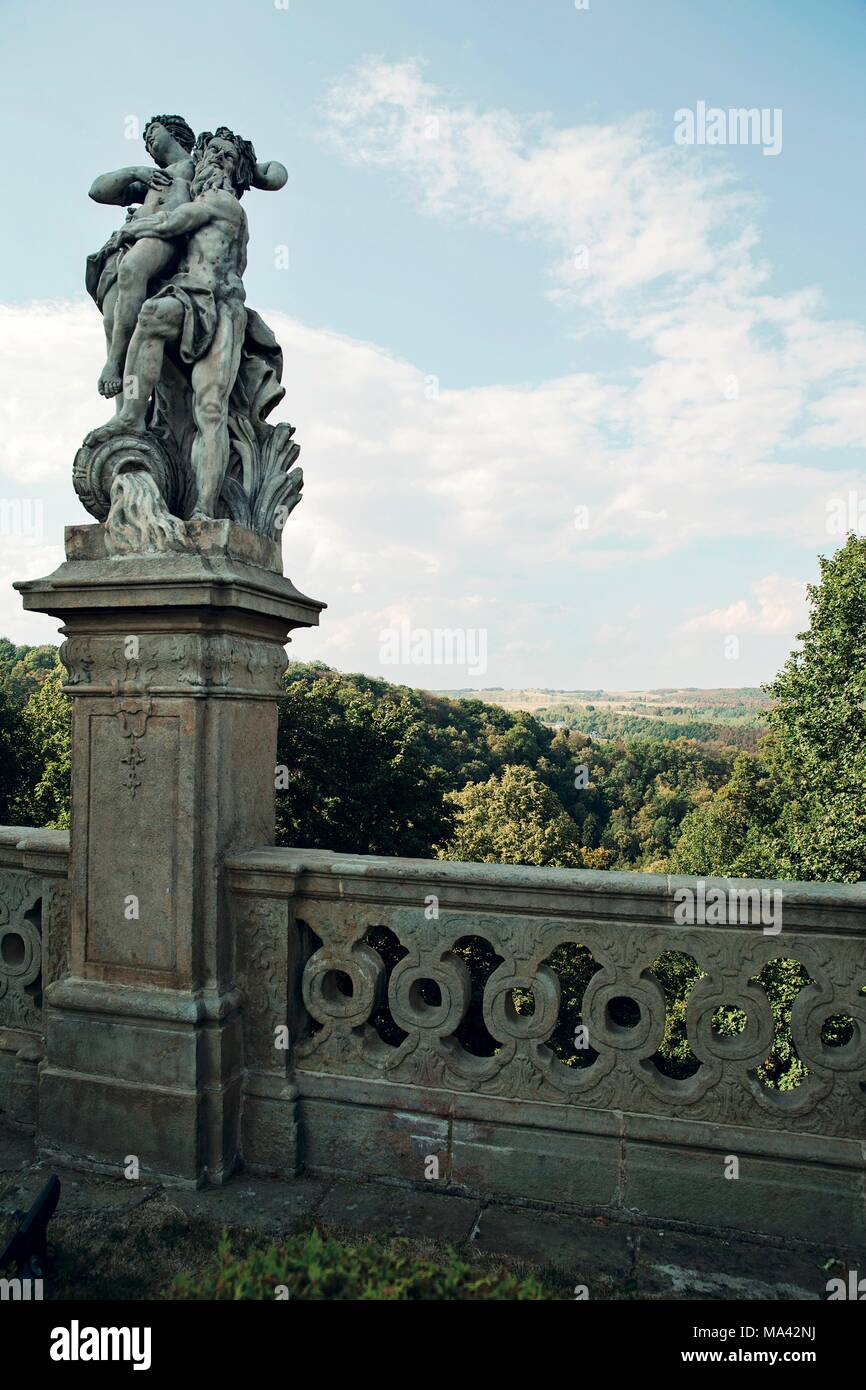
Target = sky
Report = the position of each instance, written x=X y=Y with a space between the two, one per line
x=580 y=400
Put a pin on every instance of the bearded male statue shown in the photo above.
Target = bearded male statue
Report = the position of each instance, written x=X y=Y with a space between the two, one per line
x=201 y=371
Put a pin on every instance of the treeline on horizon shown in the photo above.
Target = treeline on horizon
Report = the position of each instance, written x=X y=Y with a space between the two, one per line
x=608 y=724
x=731 y=718
x=370 y=767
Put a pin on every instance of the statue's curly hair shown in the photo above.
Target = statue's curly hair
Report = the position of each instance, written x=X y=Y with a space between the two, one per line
x=246 y=165
x=176 y=126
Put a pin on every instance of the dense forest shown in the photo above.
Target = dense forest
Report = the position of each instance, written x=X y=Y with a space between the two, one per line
x=370 y=767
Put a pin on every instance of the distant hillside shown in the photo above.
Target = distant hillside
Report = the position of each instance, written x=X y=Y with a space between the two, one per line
x=731 y=717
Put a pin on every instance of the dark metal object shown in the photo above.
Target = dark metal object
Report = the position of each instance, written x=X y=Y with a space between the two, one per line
x=28 y=1247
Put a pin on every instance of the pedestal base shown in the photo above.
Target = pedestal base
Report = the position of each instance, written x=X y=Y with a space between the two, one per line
x=175 y=664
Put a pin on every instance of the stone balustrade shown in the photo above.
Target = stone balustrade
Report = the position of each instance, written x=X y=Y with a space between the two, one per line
x=505 y=1031
x=398 y=1053
x=34 y=935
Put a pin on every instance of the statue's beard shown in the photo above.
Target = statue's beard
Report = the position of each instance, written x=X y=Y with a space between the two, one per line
x=211 y=175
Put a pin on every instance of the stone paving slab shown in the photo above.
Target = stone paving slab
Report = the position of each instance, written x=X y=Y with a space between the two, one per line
x=395 y=1211
x=80 y=1192
x=274 y=1207
x=577 y=1245
x=682 y=1265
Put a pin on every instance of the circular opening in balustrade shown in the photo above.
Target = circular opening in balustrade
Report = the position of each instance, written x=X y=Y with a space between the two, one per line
x=12 y=949
x=837 y=1030
x=623 y=1012
x=521 y=1003
x=337 y=985
x=728 y=1021
x=425 y=995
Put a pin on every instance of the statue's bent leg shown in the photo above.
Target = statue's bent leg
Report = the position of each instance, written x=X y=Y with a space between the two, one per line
x=160 y=320
x=108 y=304
x=136 y=269
x=212 y=381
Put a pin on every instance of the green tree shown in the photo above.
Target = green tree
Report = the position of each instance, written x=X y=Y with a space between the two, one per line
x=47 y=725
x=13 y=765
x=23 y=669
x=797 y=809
x=818 y=725
x=357 y=776
x=736 y=832
x=516 y=819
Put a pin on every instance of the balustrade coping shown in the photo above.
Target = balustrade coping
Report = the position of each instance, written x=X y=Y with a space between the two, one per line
x=37 y=851
x=29 y=837
x=291 y=863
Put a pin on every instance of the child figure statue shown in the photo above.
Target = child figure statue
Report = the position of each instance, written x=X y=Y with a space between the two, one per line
x=119 y=280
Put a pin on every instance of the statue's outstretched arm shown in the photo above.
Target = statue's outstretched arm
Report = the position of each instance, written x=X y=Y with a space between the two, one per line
x=165 y=225
x=125 y=186
x=270 y=175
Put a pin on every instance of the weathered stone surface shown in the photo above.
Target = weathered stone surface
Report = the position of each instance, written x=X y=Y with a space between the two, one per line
x=537 y=1165
x=675 y=1264
x=580 y=1245
x=377 y=1143
x=215 y=539
x=616 y=1137
x=622 y=1259
x=190 y=440
x=357 y=1207
x=277 y=1209
x=771 y=1197
x=174 y=668
x=34 y=931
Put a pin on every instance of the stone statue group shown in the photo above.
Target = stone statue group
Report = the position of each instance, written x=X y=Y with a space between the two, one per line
x=193 y=371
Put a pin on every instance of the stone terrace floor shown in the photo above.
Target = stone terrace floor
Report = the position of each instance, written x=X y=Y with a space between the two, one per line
x=613 y=1259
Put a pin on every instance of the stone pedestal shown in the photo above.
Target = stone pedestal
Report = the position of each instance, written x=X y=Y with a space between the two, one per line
x=174 y=664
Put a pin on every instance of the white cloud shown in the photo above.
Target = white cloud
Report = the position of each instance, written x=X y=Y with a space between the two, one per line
x=778 y=606
x=738 y=375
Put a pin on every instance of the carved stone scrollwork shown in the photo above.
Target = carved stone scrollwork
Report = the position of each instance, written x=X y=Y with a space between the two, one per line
x=20 y=950
x=408 y=1006
x=756 y=1039
x=500 y=1013
x=56 y=919
x=324 y=998
x=812 y=1007
x=646 y=1035
x=140 y=663
x=623 y=1008
x=262 y=966
x=76 y=653
x=133 y=716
